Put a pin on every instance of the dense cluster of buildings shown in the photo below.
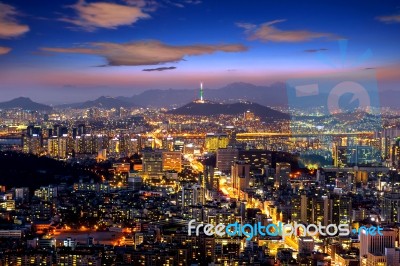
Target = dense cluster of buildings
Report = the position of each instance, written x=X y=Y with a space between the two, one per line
x=164 y=171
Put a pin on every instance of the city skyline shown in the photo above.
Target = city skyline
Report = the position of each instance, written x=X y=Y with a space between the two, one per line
x=74 y=51
x=199 y=132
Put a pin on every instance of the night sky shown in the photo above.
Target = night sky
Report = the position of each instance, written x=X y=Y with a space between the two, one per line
x=63 y=51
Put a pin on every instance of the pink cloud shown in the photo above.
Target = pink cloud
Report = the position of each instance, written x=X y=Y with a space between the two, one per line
x=4 y=50
x=268 y=32
x=9 y=26
x=105 y=15
x=146 y=53
x=389 y=19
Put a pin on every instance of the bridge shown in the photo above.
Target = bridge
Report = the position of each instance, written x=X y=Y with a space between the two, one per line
x=8 y=135
x=258 y=135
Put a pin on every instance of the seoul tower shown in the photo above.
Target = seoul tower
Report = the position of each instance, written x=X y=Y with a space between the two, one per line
x=201 y=91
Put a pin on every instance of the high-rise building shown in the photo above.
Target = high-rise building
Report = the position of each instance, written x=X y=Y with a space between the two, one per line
x=135 y=181
x=374 y=259
x=306 y=209
x=41 y=210
x=149 y=143
x=91 y=144
x=215 y=180
x=216 y=141
x=135 y=143
x=396 y=153
x=179 y=145
x=208 y=177
x=81 y=129
x=339 y=209
x=126 y=146
x=355 y=156
x=22 y=193
x=320 y=210
x=387 y=137
x=359 y=214
x=284 y=256
x=32 y=140
x=257 y=159
x=295 y=208
x=59 y=131
x=226 y=158
x=240 y=176
x=314 y=209
x=57 y=147
x=191 y=195
x=392 y=256
x=172 y=160
x=152 y=162
x=376 y=244
x=282 y=174
x=306 y=244
x=168 y=143
x=46 y=193
x=391 y=207
x=114 y=146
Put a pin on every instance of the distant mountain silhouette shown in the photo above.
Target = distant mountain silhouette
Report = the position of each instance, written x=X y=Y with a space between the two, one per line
x=276 y=94
x=273 y=95
x=390 y=98
x=24 y=103
x=101 y=102
x=211 y=108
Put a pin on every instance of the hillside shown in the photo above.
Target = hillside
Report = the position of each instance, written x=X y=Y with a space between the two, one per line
x=210 y=108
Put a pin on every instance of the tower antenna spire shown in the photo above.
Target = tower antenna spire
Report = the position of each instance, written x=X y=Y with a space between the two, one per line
x=201 y=91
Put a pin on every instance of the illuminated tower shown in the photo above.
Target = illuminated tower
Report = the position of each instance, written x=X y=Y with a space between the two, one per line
x=201 y=91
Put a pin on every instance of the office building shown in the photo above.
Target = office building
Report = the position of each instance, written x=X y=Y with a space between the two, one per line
x=339 y=209
x=57 y=147
x=172 y=161
x=257 y=159
x=306 y=245
x=240 y=176
x=282 y=174
x=390 y=207
x=215 y=141
x=376 y=244
x=226 y=158
x=152 y=162
x=355 y=156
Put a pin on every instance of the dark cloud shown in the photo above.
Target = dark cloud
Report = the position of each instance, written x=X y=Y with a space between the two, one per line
x=159 y=69
x=315 y=50
x=193 y=2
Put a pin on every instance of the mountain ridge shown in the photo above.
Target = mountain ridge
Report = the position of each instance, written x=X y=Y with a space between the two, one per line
x=101 y=102
x=24 y=103
x=271 y=95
